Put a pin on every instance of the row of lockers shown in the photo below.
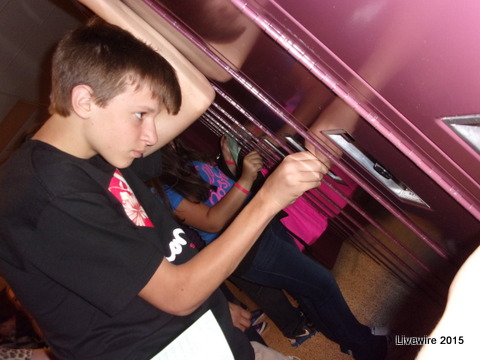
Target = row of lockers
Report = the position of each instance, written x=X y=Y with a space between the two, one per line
x=385 y=90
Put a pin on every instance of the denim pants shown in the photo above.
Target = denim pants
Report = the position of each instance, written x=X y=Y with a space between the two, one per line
x=279 y=263
x=289 y=319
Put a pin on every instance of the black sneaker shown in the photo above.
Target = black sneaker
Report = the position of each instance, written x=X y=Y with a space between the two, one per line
x=378 y=349
x=257 y=317
x=260 y=327
x=306 y=334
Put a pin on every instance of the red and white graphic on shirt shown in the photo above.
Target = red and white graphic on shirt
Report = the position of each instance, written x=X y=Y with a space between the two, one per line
x=122 y=191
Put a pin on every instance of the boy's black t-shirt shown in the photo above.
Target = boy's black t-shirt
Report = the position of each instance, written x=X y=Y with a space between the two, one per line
x=77 y=262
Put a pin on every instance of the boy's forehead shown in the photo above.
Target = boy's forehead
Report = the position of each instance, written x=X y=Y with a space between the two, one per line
x=141 y=95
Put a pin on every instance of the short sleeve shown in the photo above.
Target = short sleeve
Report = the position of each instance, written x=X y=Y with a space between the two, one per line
x=173 y=197
x=89 y=246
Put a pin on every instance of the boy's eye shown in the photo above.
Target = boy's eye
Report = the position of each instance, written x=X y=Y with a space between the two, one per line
x=140 y=115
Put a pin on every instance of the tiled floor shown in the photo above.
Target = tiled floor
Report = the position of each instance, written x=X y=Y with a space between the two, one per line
x=377 y=298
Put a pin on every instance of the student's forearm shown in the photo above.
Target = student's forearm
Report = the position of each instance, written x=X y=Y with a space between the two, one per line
x=214 y=219
x=196 y=280
x=222 y=213
x=227 y=251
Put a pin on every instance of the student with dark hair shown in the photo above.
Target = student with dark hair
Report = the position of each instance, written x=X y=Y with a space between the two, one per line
x=103 y=269
x=204 y=198
x=289 y=319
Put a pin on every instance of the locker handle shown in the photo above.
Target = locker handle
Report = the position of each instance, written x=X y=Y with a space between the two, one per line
x=346 y=142
x=382 y=171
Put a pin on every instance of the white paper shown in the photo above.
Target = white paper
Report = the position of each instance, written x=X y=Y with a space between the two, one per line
x=203 y=340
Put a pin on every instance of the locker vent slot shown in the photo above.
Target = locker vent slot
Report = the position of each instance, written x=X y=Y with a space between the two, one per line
x=467 y=127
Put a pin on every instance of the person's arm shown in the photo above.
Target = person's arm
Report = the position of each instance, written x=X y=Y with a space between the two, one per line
x=214 y=219
x=456 y=333
x=42 y=354
x=180 y=289
x=197 y=93
x=223 y=18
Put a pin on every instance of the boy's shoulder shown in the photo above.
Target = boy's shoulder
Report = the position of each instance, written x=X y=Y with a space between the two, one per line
x=57 y=171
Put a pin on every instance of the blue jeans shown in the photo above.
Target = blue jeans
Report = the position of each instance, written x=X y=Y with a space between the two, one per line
x=275 y=304
x=279 y=263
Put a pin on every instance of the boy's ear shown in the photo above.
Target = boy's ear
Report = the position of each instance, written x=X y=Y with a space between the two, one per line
x=82 y=100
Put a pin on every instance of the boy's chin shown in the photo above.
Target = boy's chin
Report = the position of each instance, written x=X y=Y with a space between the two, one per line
x=120 y=163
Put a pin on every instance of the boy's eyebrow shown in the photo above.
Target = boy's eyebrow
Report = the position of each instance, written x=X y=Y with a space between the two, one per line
x=150 y=109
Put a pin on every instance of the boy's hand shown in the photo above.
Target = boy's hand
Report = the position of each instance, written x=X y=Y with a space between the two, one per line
x=296 y=174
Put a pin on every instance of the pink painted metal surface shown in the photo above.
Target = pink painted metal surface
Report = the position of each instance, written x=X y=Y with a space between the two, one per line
x=384 y=73
x=399 y=54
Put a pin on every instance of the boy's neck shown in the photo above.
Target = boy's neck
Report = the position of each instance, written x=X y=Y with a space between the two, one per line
x=64 y=134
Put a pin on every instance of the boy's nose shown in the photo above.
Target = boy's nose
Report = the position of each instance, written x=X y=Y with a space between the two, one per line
x=150 y=134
